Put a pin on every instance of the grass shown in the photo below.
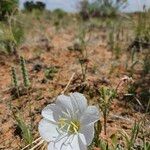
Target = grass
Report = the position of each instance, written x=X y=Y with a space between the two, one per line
x=106 y=97
x=25 y=131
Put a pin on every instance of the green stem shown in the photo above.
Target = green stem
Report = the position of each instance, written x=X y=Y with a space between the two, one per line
x=105 y=122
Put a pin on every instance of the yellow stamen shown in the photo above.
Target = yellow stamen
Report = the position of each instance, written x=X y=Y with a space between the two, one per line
x=69 y=126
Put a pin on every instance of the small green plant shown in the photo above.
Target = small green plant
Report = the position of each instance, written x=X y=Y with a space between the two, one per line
x=114 y=37
x=106 y=97
x=82 y=49
x=25 y=76
x=131 y=139
x=25 y=130
x=117 y=50
x=111 y=40
x=17 y=89
x=17 y=31
x=98 y=129
x=146 y=145
x=132 y=61
x=26 y=133
x=15 y=80
x=50 y=72
x=83 y=62
x=6 y=38
x=11 y=35
x=104 y=144
x=22 y=129
x=14 y=77
x=141 y=28
x=146 y=64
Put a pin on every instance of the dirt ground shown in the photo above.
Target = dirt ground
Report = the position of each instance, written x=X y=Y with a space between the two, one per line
x=103 y=69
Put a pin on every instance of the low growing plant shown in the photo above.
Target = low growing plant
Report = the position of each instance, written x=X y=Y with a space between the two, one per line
x=106 y=97
x=25 y=76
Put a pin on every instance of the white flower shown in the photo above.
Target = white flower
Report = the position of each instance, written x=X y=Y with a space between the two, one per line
x=69 y=123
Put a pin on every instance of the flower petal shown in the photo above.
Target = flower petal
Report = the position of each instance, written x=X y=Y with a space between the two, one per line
x=79 y=102
x=73 y=105
x=91 y=115
x=88 y=133
x=82 y=145
x=64 y=102
x=72 y=142
x=48 y=130
x=58 y=144
x=52 y=112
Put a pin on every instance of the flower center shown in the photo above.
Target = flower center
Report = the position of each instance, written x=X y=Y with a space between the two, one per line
x=69 y=126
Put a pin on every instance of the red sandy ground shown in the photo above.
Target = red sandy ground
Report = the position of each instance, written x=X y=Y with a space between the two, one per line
x=43 y=93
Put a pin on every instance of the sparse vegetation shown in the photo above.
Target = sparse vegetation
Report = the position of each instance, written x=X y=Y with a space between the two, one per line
x=11 y=35
x=25 y=76
x=100 y=8
x=50 y=72
x=44 y=53
x=31 y=5
x=8 y=7
x=106 y=97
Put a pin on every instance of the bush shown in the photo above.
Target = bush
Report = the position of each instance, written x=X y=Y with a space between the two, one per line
x=100 y=8
x=84 y=12
x=59 y=13
x=30 y=5
x=11 y=35
x=7 y=7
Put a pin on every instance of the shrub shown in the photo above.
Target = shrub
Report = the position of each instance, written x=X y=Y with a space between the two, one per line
x=59 y=13
x=100 y=8
x=30 y=5
x=11 y=35
x=7 y=7
x=50 y=72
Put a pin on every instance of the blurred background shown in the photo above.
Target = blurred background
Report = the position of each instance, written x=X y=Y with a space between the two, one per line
x=72 y=6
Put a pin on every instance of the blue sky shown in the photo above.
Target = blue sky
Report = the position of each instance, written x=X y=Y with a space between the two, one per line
x=72 y=5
